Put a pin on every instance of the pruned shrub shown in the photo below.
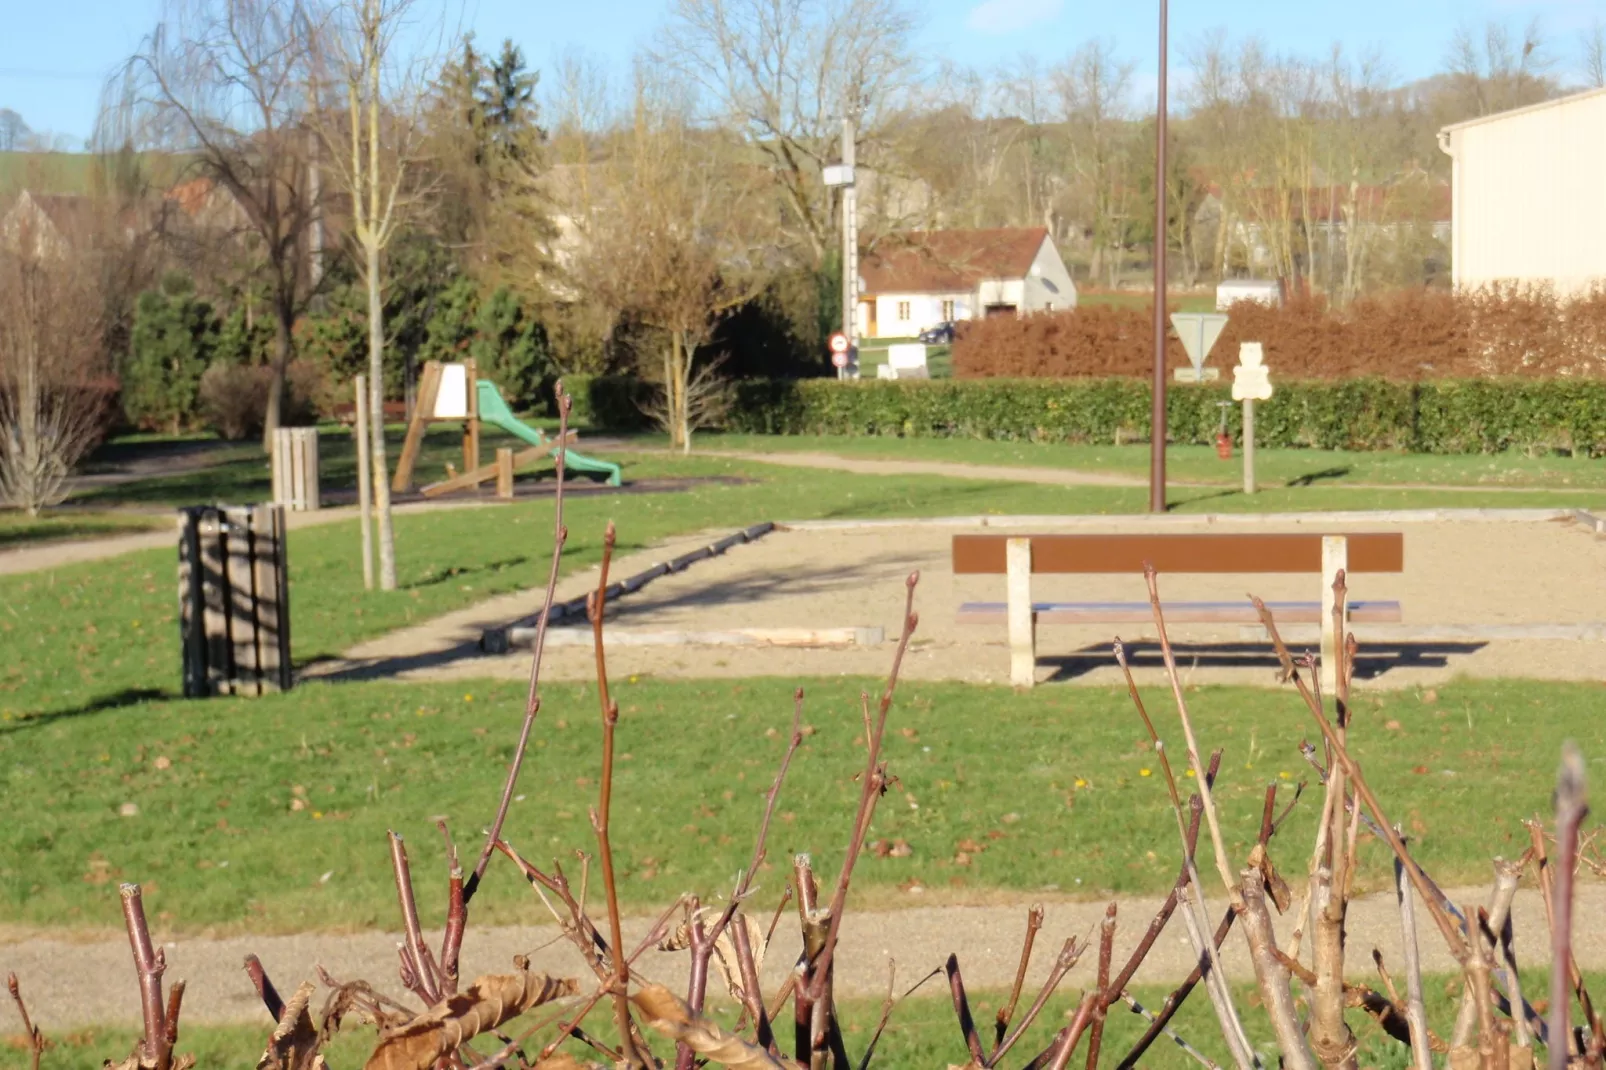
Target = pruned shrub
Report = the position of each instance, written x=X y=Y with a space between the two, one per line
x=234 y=397
x=1406 y=336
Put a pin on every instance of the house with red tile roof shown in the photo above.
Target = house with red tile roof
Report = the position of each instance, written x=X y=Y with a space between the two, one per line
x=917 y=280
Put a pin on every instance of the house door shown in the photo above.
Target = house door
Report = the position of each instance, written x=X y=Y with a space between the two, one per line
x=999 y=310
x=869 y=319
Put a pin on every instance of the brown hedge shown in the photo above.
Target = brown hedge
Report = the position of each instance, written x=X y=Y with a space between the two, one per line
x=1407 y=335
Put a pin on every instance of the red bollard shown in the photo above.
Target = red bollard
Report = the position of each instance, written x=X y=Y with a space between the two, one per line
x=1223 y=446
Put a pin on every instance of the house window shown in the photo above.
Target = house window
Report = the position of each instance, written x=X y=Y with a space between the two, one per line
x=948 y=311
x=903 y=311
x=1048 y=306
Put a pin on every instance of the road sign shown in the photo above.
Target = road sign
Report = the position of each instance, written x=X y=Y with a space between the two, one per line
x=839 y=358
x=1251 y=379
x=1198 y=331
x=839 y=342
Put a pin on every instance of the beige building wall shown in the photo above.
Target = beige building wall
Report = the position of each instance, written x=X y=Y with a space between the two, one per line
x=1529 y=190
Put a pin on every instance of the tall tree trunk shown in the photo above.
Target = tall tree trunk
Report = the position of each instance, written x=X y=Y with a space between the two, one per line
x=283 y=322
x=376 y=395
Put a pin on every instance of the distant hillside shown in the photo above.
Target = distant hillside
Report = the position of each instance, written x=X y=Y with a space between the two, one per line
x=47 y=172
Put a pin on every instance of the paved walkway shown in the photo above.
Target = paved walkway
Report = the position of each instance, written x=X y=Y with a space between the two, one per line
x=71 y=983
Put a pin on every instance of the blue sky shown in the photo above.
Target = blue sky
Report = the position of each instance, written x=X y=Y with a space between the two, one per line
x=53 y=55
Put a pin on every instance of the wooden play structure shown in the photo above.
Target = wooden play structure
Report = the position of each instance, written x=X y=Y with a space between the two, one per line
x=455 y=393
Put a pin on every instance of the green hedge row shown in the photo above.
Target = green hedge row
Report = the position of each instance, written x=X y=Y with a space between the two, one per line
x=1454 y=416
x=1448 y=416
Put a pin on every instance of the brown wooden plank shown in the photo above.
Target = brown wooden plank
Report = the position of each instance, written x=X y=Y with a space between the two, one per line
x=486 y=471
x=265 y=585
x=241 y=604
x=1247 y=553
x=1177 y=612
x=191 y=604
x=428 y=387
x=215 y=613
x=281 y=572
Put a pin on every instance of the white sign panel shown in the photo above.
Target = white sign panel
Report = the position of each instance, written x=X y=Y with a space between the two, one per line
x=451 y=401
x=1198 y=332
x=837 y=175
x=907 y=355
x=1251 y=379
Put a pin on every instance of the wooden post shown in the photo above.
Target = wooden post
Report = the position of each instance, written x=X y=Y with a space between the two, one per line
x=238 y=597
x=265 y=556
x=312 y=491
x=1249 y=445
x=365 y=488
x=1022 y=621
x=504 y=473
x=191 y=603
x=423 y=412
x=280 y=465
x=471 y=430
x=1335 y=556
x=214 y=610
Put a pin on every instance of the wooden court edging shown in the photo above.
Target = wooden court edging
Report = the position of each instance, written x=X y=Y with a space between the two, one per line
x=500 y=640
x=1117 y=521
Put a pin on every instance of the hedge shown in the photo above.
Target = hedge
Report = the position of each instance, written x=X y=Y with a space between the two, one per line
x=1447 y=416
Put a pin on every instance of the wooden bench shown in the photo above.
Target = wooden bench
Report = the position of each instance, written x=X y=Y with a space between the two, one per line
x=1017 y=557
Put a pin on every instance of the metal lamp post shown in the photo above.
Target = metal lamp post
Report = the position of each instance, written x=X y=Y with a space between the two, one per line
x=1157 y=433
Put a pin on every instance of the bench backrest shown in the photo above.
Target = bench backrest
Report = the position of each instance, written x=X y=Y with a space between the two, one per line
x=1252 y=552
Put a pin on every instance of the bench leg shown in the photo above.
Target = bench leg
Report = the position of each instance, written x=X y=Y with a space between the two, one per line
x=1335 y=556
x=1022 y=622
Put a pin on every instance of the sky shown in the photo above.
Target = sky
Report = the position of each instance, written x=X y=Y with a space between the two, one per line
x=54 y=56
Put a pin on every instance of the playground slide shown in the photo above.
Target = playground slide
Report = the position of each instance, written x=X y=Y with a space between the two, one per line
x=494 y=411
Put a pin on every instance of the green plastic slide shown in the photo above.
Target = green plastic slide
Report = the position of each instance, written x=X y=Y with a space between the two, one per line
x=494 y=411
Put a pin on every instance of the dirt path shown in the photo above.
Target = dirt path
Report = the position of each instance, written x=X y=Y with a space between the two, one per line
x=1062 y=477
x=1509 y=623
x=91 y=982
x=1065 y=477
x=58 y=553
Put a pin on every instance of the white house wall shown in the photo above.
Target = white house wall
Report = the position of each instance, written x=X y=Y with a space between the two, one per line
x=1530 y=206
x=925 y=310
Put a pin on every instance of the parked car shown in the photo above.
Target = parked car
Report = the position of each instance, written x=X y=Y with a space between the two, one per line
x=941 y=334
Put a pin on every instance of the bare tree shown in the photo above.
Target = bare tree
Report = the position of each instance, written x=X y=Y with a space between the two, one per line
x=1592 y=48
x=223 y=84
x=54 y=375
x=672 y=244
x=373 y=150
x=1094 y=97
x=1497 y=71
x=785 y=73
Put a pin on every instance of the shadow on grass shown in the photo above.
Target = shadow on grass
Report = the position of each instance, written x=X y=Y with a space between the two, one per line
x=1312 y=478
x=1373 y=660
x=129 y=696
x=450 y=574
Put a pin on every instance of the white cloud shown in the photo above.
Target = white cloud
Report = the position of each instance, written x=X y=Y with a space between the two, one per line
x=1011 y=16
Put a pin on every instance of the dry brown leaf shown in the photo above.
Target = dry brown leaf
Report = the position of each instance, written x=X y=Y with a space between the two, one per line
x=488 y=1002
x=669 y=1015
x=1276 y=887
x=725 y=953
x=295 y=1041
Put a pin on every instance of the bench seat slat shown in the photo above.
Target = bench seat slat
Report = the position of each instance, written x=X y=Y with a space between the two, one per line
x=1236 y=612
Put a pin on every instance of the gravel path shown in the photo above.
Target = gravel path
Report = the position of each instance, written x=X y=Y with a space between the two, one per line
x=1529 y=577
x=72 y=983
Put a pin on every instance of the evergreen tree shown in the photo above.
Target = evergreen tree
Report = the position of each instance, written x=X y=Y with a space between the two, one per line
x=509 y=346
x=170 y=344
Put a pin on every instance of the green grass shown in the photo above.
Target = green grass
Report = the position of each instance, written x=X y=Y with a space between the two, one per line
x=1200 y=464
x=1145 y=299
x=873 y=354
x=1056 y=789
x=19 y=529
x=923 y=1032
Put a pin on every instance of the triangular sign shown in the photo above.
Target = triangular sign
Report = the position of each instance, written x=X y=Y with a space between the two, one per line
x=1198 y=331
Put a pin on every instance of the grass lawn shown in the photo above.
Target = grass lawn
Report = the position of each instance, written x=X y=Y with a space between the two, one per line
x=873 y=354
x=1205 y=302
x=19 y=529
x=245 y=805
x=923 y=1033
x=1199 y=464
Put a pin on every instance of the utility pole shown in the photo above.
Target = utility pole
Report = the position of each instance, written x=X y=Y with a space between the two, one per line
x=1157 y=416
x=850 y=252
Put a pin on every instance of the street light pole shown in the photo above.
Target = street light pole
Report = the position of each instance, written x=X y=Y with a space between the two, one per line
x=1157 y=432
